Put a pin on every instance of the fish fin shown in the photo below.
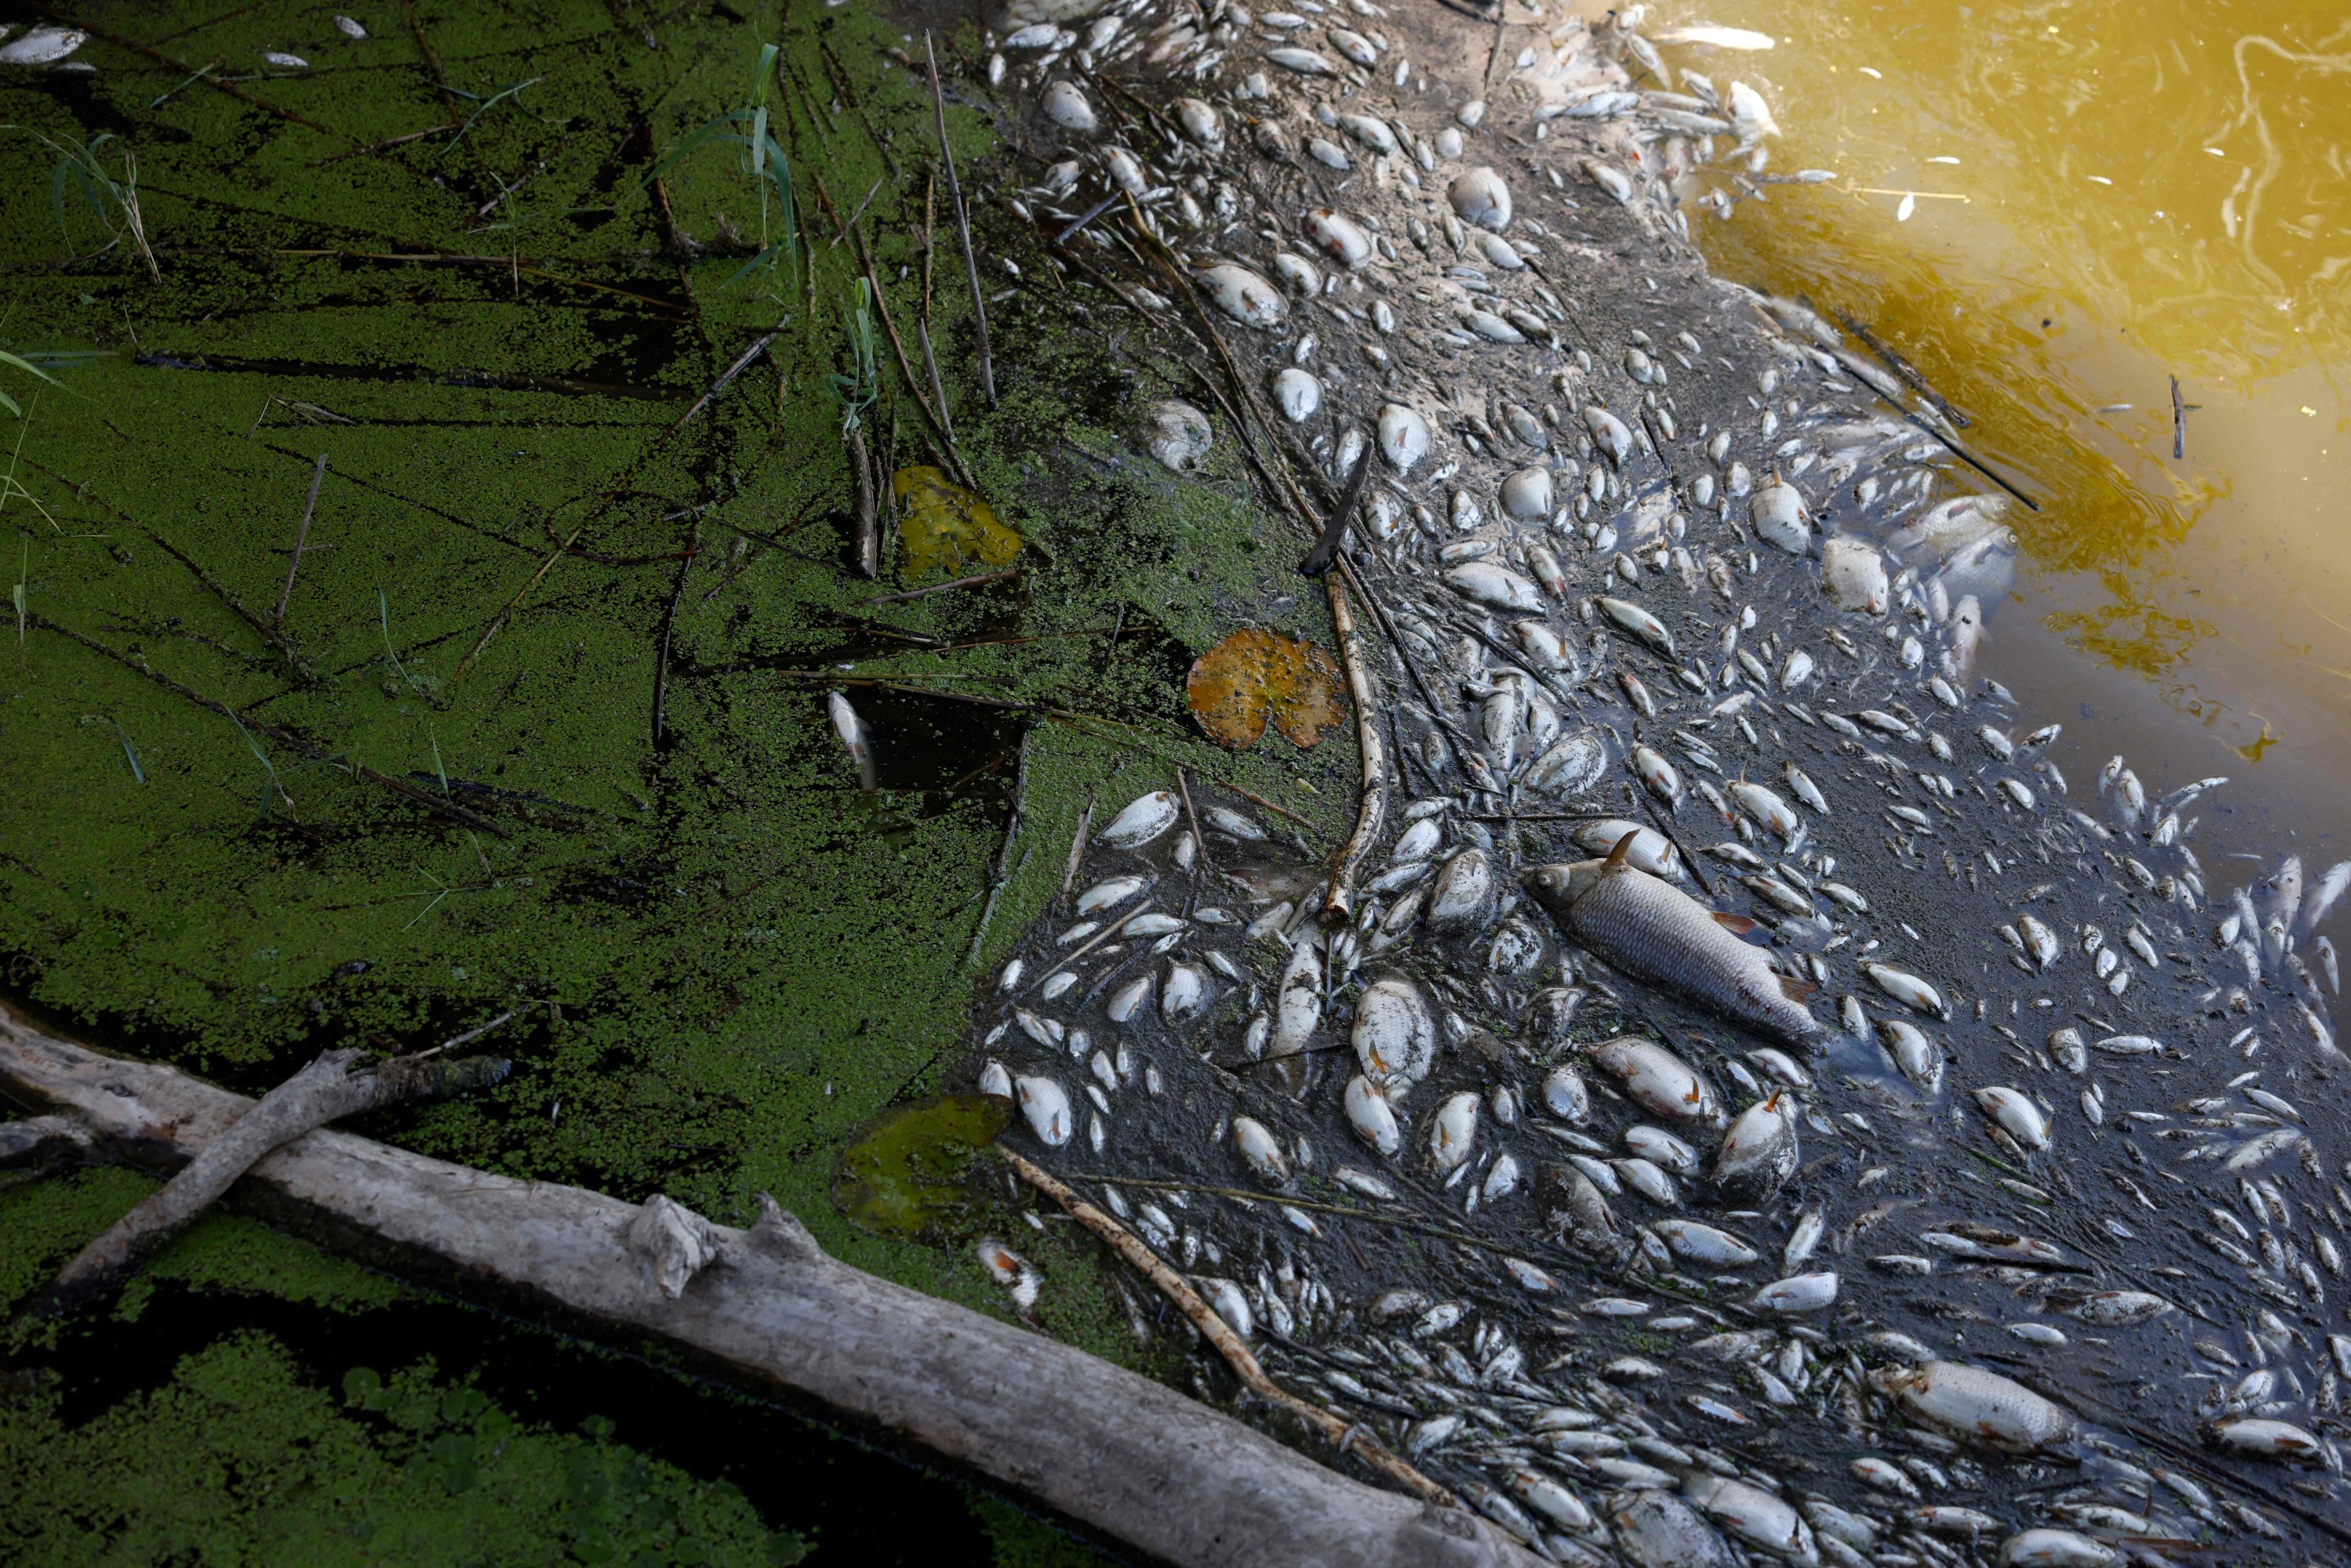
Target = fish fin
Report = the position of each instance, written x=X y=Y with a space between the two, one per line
x=1616 y=857
x=1738 y=924
x=1795 y=990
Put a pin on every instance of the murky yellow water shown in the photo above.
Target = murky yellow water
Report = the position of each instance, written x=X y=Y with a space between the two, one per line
x=2099 y=197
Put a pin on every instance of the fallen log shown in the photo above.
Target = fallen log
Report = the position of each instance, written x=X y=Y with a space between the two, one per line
x=324 y=1091
x=1112 y=1449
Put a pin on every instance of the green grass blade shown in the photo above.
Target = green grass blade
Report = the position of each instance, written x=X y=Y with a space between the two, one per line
x=715 y=128
x=488 y=104
x=28 y=367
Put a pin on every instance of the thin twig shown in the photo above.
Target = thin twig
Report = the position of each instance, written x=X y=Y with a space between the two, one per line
x=946 y=586
x=1371 y=811
x=278 y=733
x=379 y=146
x=1306 y=822
x=1077 y=858
x=742 y=362
x=440 y=78
x=1199 y=838
x=938 y=387
x=2178 y=423
x=996 y=873
x=669 y=627
x=963 y=226
x=1903 y=368
x=890 y=326
x=1473 y=766
x=301 y=536
x=1345 y=1436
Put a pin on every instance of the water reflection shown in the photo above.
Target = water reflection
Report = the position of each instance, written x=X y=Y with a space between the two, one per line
x=2052 y=210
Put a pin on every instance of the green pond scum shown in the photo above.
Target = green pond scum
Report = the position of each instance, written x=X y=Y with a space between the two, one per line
x=909 y=1173
x=541 y=730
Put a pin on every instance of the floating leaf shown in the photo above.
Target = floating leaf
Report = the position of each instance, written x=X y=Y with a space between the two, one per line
x=944 y=525
x=905 y=1173
x=1255 y=675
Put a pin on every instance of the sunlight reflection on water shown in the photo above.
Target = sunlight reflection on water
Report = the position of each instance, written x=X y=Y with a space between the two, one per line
x=2052 y=210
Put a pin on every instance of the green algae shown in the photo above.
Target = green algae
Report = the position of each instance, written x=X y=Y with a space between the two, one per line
x=908 y=1172
x=722 y=958
x=239 y=1458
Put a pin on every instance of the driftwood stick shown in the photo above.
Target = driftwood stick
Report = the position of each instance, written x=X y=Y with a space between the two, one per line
x=325 y=1090
x=866 y=545
x=1337 y=1430
x=1372 y=809
x=1167 y=1475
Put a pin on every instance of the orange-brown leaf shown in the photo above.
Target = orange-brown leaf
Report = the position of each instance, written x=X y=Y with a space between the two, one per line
x=1252 y=676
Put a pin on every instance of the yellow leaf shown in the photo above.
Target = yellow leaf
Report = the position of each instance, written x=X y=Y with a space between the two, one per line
x=1252 y=676
x=943 y=525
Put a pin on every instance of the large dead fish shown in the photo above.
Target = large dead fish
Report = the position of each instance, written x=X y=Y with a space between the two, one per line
x=1653 y=929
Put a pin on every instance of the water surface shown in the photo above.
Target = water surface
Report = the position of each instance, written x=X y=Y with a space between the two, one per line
x=2052 y=210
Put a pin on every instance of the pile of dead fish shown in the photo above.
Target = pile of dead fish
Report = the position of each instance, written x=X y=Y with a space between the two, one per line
x=1760 y=1105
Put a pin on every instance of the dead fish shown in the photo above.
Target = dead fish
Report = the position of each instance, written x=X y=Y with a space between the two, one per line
x=1749 y=1514
x=1451 y=1131
x=1066 y=106
x=1853 y=574
x=2047 y=1547
x=1345 y=240
x=1144 y=819
x=1480 y=197
x=1244 y=296
x=1393 y=1036
x=1496 y=585
x=1201 y=123
x=1913 y=1053
x=1976 y=1405
x=1696 y=1243
x=1759 y=1152
x=2014 y=1114
x=1304 y=62
x=1648 y=926
x=1526 y=495
x=850 y=729
x=1008 y=1269
x=1907 y=988
x=1046 y=1105
x=1655 y=774
x=1297 y=394
x=1463 y=897
x=1767 y=809
x=1298 y=1010
x=1610 y=433
x=1650 y=852
x=1259 y=1149
x=1796 y=1294
x=1566 y=1097
x=1781 y=518
x=2259 y=1438
x=1176 y=433
x=1404 y=439
x=1660 y=1082
x=1632 y=618
x=1800 y=783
